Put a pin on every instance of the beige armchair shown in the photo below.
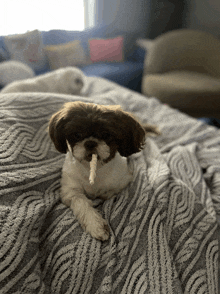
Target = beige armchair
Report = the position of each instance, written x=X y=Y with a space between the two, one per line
x=182 y=69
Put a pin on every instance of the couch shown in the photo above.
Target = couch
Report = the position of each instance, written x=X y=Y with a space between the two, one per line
x=44 y=49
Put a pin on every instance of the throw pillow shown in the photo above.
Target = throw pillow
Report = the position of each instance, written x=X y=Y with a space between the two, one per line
x=27 y=48
x=106 y=50
x=68 y=54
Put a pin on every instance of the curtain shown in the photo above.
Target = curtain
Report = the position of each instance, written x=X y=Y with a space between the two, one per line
x=93 y=12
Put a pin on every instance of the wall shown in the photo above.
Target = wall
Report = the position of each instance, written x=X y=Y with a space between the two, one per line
x=132 y=15
x=147 y=18
x=150 y=18
x=204 y=15
x=125 y=15
x=153 y=17
x=165 y=15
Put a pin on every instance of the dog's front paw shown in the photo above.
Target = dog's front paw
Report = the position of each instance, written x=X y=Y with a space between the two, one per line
x=98 y=228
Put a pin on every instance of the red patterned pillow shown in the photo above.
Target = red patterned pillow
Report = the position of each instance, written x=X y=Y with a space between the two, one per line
x=106 y=50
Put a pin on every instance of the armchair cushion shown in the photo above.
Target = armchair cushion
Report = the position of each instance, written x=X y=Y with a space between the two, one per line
x=192 y=92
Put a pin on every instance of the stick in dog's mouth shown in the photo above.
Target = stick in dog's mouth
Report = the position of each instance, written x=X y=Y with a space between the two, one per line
x=93 y=167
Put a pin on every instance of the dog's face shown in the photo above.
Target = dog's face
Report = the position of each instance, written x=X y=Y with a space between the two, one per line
x=87 y=129
x=73 y=80
x=75 y=87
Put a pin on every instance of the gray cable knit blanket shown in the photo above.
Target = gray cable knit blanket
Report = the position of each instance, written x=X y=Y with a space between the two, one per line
x=163 y=227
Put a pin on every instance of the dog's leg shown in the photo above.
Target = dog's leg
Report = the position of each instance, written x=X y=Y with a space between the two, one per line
x=89 y=218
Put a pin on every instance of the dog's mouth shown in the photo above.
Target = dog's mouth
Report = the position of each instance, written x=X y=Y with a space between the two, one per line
x=84 y=150
x=88 y=157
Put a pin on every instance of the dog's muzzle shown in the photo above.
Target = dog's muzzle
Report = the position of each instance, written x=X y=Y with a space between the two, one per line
x=90 y=147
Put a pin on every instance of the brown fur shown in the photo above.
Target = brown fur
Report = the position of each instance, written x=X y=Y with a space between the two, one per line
x=119 y=129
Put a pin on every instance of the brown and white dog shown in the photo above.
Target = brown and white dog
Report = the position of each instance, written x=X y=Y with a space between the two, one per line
x=81 y=130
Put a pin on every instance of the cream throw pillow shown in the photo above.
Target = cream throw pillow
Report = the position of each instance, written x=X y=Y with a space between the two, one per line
x=68 y=54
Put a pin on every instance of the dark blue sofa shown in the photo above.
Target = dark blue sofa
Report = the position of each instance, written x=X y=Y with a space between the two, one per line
x=127 y=73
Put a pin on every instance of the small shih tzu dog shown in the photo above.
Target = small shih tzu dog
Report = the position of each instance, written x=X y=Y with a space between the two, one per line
x=67 y=80
x=97 y=139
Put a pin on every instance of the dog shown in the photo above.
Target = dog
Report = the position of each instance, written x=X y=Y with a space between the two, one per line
x=67 y=80
x=12 y=70
x=83 y=130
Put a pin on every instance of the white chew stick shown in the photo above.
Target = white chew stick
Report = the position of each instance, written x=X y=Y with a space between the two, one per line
x=69 y=147
x=93 y=165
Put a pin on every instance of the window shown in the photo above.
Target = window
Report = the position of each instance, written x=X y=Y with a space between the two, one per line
x=20 y=16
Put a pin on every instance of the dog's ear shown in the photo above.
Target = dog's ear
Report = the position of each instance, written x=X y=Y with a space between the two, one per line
x=56 y=131
x=132 y=134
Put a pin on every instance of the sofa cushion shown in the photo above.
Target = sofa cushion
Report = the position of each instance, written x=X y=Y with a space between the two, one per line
x=127 y=74
x=106 y=50
x=68 y=54
x=110 y=31
x=27 y=48
x=56 y=37
x=138 y=55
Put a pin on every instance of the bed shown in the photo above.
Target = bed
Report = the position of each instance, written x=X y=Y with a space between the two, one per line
x=164 y=232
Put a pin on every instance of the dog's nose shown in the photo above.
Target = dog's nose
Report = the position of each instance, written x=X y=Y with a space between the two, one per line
x=90 y=145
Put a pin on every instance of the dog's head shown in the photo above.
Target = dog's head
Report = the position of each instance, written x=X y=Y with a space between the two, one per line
x=73 y=80
x=96 y=129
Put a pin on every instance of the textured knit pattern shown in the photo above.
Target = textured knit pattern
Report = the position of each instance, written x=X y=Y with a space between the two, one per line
x=163 y=226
